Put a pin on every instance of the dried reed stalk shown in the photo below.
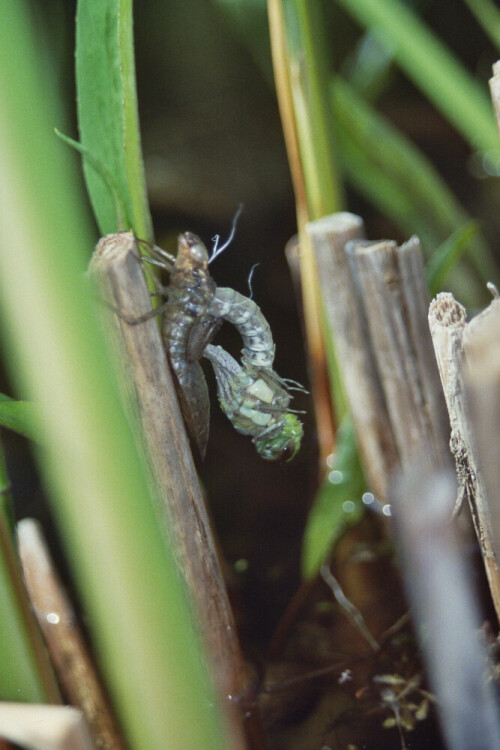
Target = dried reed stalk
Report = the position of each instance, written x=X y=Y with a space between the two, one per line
x=376 y=300
x=447 y=321
x=445 y=607
x=71 y=659
x=120 y=280
x=393 y=289
x=495 y=92
x=482 y=381
x=45 y=727
x=349 y=330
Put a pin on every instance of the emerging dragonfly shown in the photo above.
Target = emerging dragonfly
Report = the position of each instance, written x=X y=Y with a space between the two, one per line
x=193 y=312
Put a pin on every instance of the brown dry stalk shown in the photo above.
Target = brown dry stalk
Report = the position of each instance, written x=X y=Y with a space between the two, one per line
x=44 y=727
x=120 y=280
x=347 y=326
x=448 y=325
x=394 y=294
x=495 y=92
x=318 y=365
x=70 y=656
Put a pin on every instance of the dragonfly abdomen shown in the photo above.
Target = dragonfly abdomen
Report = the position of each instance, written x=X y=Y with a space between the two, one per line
x=252 y=326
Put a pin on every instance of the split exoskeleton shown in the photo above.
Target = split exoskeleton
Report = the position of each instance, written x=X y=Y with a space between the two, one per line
x=251 y=394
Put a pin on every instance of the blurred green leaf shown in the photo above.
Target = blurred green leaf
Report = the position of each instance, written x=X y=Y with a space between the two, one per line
x=447 y=255
x=249 y=21
x=487 y=14
x=395 y=176
x=432 y=67
x=136 y=610
x=19 y=416
x=369 y=67
x=307 y=53
x=107 y=114
x=25 y=670
x=337 y=504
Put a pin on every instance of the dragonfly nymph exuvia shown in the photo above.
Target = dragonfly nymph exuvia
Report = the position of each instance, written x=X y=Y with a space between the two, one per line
x=251 y=394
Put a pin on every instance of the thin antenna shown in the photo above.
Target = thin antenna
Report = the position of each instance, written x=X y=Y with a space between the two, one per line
x=250 y=277
x=218 y=250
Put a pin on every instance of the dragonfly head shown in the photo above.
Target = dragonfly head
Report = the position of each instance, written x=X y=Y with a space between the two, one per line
x=282 y=445
x=191 y=251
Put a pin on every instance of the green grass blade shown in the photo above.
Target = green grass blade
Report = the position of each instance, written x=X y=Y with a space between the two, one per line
x=369 y=66
x=432 y=67
x=309 y=75
x=337 y=504
x=447 y=255
x=19 y=416
x=25 y=670
x=249 y=21
x=107 y=177
x=134 y=165
x=107 y=113
x=487 y=15
x=134 y=603
x=397 y=178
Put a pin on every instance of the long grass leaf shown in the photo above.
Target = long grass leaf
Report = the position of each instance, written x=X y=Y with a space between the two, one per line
x=397 y=178
x=337 y=504
x=487 y=14
x=432 y=67
x=25 y=670
x=107 y=113
x=135 y=607
x=447 y=255
x=134 y=165
x=309 y=75
x=19 y=416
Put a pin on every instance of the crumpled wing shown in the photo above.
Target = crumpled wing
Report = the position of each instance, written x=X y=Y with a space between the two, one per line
x=200 y=335
x=195 y=405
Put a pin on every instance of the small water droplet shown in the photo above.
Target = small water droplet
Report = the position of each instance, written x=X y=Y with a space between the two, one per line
x=491 y=163
x=53 y=618
x=330 y=460
x=386 y=510
x=348 y=506
x=335 y=477
x=241 y=565
x=368 y=498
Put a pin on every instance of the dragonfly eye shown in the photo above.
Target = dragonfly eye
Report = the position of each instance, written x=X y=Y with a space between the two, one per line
x=199 y=253
x=288 y=451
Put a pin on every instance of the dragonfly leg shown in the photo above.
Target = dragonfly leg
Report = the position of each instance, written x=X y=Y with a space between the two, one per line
x=159 y=256
x=141 y=318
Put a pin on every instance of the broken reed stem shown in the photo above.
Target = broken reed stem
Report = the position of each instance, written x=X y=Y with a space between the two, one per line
x=47 y=688
x=120 y=281
x=445 y=607
x=347 y=324
x=393 y=289
x=495 y=92
x=69 y=654
x=45 y=727
x=376 y=299
x=447 y=321
x=482 y=381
